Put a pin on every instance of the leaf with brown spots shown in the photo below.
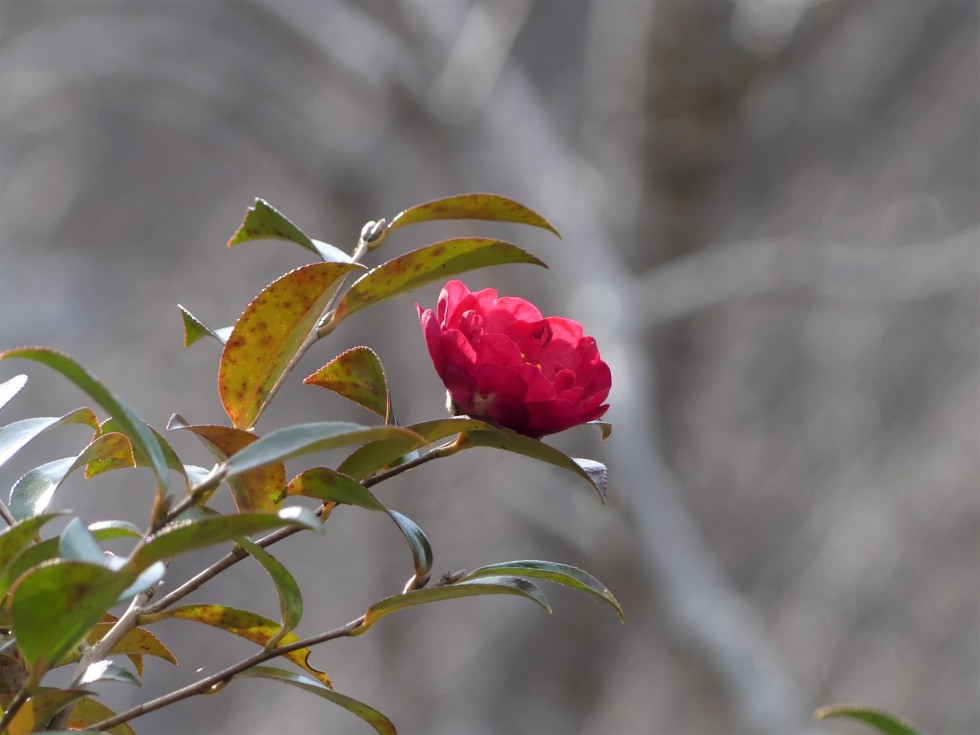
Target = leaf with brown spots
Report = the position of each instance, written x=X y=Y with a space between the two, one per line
x=269 y=333
x=138 y=641
x=245 y=624
x=432 y=263
x=264 y=222
x=253 y=490
x=88 y=711
x=357 y=374
x=472 y=206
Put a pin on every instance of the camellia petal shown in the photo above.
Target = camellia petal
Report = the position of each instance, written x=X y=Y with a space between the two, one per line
x=501 y=360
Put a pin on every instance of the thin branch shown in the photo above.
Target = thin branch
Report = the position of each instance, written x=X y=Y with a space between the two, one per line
x=237 y=554
x=209 y=682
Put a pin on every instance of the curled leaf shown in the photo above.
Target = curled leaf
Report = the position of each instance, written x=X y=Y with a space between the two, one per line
x=357 y=375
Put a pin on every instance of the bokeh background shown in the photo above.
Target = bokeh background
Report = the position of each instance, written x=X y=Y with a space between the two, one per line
x=770 y=220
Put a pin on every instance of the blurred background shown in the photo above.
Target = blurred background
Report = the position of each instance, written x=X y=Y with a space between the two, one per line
x=770 y=221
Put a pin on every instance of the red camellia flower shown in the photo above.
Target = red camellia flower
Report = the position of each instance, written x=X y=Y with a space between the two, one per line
x=501 y=360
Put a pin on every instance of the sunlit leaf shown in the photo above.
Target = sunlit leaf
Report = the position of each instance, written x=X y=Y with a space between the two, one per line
x=32 y=493
x=509 y=440
x=269 y=334
x=486 y=586
x=293 y=441
x=195 y=329
x=110 y=425
x=370 y=715
x=357 y=375
x=329 y=485
x=432 y=263
x=106 y=670
x=472 y=206
x=56 y=605
x=184 y=536
x=39 y=709
x=245 y=624
x=103 y=530
x=130 y=424
x=17 y=434
x=264 y=222
x=10 y=388
x=253 y=490
x=553 y=572
x=379 y=455
x=138 y=641
x=77 y=542
x=290 y=597
x=88 y=711
x=880 y=720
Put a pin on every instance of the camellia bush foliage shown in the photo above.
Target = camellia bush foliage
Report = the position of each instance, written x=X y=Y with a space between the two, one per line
x=512 y=377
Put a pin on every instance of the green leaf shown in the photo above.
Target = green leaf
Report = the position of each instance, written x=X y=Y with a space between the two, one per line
x=472 y=206
x=432 y=263
x=553 y=572
x=33 y=492
x=88 y=711
x=107 y=671
x=379 y=455
x=195 y=329
x=269 y=334
x=290 y=597
x=55 y=606
x=419 y=545
x=370 y=715
x=884 y=722
x=357 y=375
x=293 y=441
x=264 y=222
x=253 y=490
x=184 y=536
x=487 y=586
x=245 y=624
x=509 y=440
x=39 y=709
x=330 y=486
x=605 y=429
x=10 y=388
x=15 y=436
x=130 y=424
x=17 y=537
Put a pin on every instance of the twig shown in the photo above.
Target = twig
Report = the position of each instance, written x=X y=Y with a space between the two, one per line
x=209 y=682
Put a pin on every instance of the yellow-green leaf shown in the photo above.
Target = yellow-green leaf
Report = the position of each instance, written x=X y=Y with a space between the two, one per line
x=432 y=263
x=269 y=334
x=253 y=490
x=357 y=375
x=264 y=222
x=245 y=624
x=481 y=206
x=88 y=711
x=195 y=329
x=40 y=708
x=882 y=721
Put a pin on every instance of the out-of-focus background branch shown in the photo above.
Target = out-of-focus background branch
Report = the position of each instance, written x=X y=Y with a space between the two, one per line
x=770 y=223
